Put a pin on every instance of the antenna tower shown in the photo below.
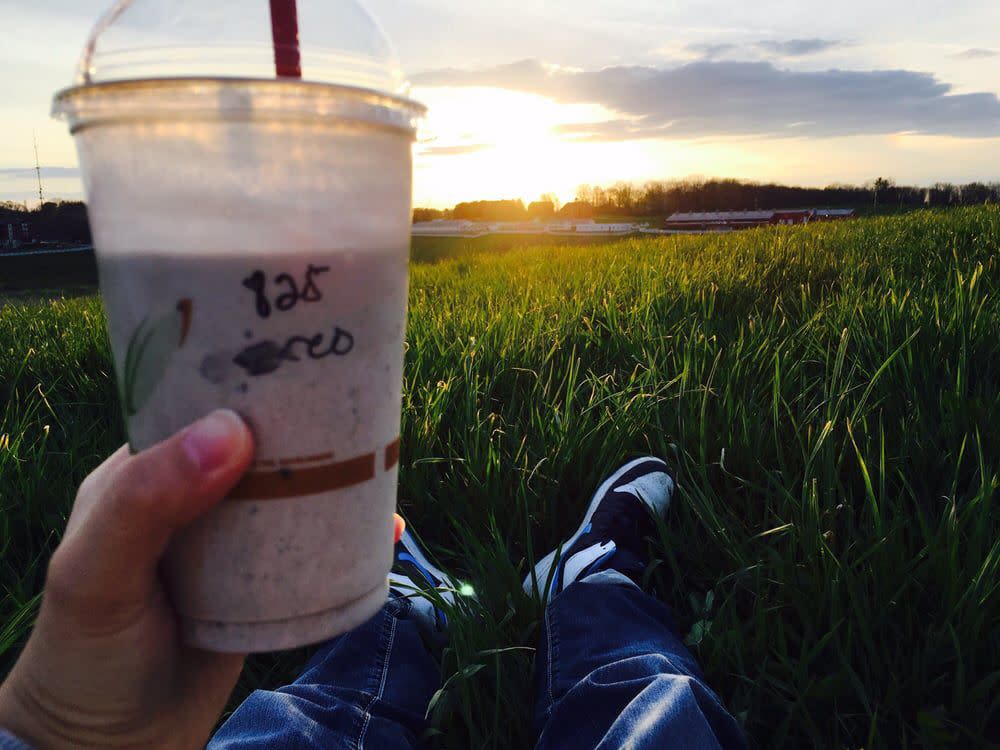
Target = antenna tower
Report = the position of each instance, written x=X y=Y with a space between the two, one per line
x=38 y=171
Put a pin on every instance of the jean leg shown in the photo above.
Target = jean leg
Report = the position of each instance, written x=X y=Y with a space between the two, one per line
x=612 y=672
x=366 y=689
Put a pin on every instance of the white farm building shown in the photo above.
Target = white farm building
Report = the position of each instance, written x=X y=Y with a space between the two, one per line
x=594 y=228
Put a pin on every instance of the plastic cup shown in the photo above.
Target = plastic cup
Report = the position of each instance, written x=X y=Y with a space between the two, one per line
x=253 y=238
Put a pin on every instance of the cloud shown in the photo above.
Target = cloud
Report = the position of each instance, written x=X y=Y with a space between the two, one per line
x=977 y=53
x=714 y=98
x=469 y=148
x=763 y=48
x=709 y=51
x=797 y=47
x=24 y=173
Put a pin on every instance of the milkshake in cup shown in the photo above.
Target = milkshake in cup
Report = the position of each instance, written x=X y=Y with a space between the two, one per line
x=250 y=197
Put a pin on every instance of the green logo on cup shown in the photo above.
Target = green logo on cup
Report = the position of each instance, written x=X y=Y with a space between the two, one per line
x=149 y=351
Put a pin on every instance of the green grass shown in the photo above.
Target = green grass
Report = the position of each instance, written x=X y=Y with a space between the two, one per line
x=828 y=395
x=50 y=271
x=438 y=249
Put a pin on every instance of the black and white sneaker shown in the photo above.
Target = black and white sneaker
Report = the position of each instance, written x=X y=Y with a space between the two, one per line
x=414 y=577
x=612 y=532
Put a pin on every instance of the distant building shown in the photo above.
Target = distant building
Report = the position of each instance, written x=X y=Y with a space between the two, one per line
x=448 y=228
x=718 y=221
x=515 y=227
x=593 y=228
x=15 y=232
x=728 y=221
x=789 y=218
x=460 y=228
x=561 y=227
x=832 y=214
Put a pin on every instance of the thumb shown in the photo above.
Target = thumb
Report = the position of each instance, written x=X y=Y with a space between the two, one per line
x=127 y=511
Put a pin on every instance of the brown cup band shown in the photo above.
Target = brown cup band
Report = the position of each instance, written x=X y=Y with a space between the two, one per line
x=291 y=479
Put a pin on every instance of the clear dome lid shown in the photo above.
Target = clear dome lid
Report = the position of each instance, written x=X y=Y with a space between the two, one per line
x=316 y=41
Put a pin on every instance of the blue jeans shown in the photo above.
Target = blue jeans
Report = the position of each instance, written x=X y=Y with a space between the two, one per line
x=611 y=673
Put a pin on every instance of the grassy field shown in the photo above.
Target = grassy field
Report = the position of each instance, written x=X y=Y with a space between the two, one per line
x=58 y=273
x=49 y=274
x=828 y=395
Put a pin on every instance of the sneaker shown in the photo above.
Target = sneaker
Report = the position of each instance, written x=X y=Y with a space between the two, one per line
x=413 y=577
x=611 y=534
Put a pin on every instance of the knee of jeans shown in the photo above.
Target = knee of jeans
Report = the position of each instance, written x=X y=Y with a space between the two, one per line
x=643 y=668
x=610 y=578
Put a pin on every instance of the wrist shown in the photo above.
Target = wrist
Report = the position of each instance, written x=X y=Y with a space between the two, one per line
x=29 y=717
x=26 y=714
x=15 y=720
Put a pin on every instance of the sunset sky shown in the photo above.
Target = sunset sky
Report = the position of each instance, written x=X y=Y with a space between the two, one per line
x=528 y=97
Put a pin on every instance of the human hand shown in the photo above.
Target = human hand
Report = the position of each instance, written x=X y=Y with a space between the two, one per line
x=105 y=665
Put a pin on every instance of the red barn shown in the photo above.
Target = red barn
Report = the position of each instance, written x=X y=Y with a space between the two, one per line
x=718 y=221
x=788 y=218
x=698 y=222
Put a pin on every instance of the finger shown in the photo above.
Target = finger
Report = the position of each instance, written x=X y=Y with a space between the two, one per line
x=94 y=487
x=400 y=528
x=111 y=555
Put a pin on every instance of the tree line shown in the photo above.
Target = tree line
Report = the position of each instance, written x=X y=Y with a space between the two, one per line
x=657 y=198
x=53 y=221
x=66 y=221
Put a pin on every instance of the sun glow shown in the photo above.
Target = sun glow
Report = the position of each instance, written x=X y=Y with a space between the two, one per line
x=480 y=143
x=489 y=144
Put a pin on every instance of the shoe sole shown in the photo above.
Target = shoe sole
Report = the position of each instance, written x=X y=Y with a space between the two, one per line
x=543 y=569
